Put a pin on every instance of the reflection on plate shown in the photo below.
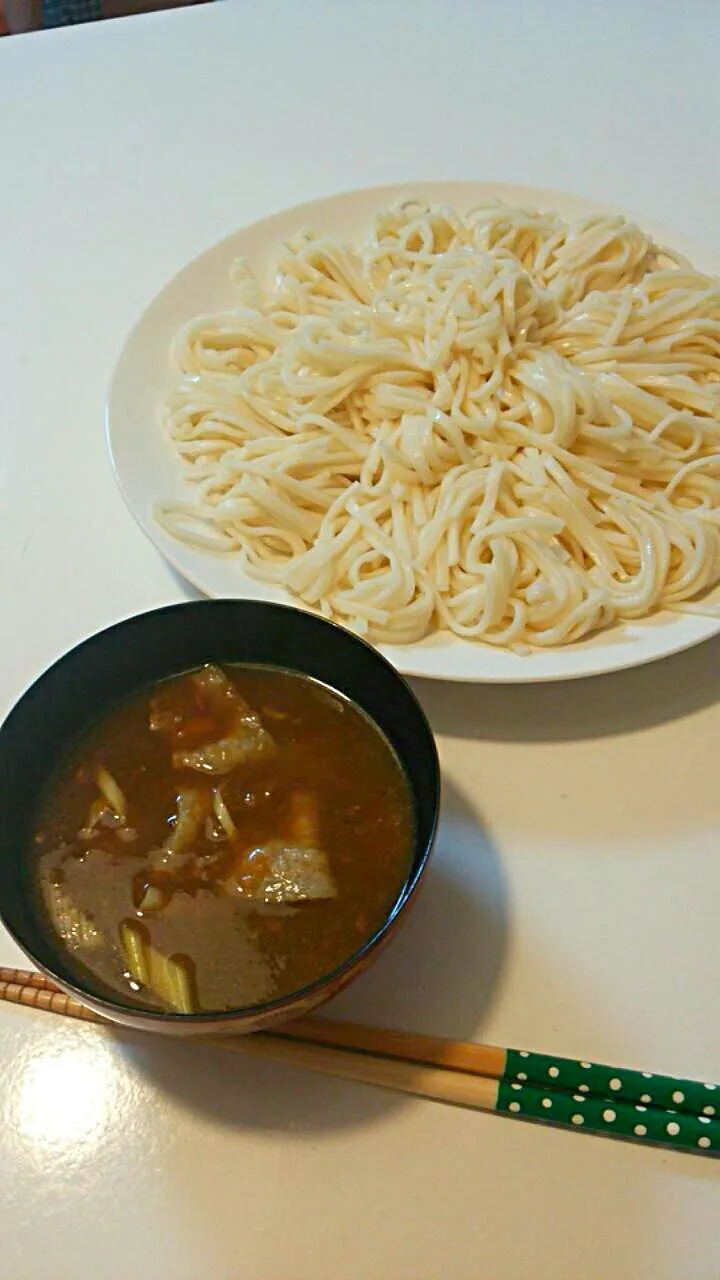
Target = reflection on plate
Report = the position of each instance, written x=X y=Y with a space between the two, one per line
x=148 y=470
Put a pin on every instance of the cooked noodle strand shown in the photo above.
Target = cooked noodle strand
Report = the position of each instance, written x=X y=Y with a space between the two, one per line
x=494 y=422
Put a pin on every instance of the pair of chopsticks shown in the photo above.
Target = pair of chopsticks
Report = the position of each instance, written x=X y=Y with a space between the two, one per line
x=618 y=1102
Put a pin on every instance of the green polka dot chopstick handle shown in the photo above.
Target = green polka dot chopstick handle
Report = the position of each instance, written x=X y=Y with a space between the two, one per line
x=638 y=1105
x=680 y=1130
x=620 y=1084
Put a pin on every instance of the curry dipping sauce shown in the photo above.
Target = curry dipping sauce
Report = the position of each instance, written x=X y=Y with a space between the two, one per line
x=221 y=839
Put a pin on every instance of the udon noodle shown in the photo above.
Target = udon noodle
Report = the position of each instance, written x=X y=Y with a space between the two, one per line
x=495 y=422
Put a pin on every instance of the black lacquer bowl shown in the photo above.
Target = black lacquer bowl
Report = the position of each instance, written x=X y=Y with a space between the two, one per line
x=84 y=684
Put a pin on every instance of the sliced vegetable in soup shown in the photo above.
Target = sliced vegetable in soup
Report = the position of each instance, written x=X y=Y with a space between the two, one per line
x=224 y=838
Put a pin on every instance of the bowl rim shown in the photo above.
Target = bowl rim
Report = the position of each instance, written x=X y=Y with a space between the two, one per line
x=120 y=1009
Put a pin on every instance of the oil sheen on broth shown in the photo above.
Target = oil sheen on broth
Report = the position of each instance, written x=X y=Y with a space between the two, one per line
x=221 y=839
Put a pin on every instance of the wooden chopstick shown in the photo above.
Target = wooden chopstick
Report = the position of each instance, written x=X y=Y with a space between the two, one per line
x=45 y=995
x=27 y=978
x=509 y=1065
x=456 y=1055
x=518 y=1066
x=446 y=1071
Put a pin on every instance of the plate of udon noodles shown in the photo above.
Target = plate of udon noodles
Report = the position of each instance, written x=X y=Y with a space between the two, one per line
x=478 y=424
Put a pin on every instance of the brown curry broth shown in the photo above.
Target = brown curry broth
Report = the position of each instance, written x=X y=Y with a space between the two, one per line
x=241 y=956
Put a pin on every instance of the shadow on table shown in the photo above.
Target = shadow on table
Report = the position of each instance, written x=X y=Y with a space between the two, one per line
x=438 y=975
x=624 y=702
x=189 y=590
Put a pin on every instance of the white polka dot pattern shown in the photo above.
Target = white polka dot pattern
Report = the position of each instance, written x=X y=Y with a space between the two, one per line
x=624 y=1103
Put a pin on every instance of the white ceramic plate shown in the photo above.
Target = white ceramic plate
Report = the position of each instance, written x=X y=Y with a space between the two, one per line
x=148 y=470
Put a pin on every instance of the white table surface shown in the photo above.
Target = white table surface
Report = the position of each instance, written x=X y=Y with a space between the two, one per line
x=573 y=900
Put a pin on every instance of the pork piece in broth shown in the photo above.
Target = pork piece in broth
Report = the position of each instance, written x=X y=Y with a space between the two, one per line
x=244 y=737
x=293 y=870
x=221 y=839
